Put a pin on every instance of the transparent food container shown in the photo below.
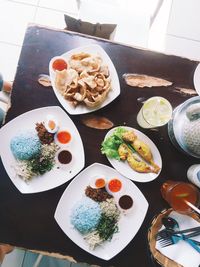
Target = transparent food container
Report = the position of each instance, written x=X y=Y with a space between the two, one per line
x=184 y=127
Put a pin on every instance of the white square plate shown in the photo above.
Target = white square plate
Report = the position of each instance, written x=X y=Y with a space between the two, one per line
x=115 y=86
x=126 y=170
x=129 y=224
x=56 y=176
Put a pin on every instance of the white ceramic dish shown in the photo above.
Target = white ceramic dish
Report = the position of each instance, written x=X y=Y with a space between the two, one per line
x=126 y=170
x=196 y=79
x=114 y=92
x=129 y=224
x=56 y=176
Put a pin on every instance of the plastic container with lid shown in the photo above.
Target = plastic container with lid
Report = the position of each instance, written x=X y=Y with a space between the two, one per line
x=184 y=127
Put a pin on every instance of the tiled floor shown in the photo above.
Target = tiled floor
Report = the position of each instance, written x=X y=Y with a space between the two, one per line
x=16 y=14
x=21 y=258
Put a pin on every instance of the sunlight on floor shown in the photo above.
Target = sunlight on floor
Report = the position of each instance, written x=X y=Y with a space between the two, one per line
x=133 y=23
x=158 y=30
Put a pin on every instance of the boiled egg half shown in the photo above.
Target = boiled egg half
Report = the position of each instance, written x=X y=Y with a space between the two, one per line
x=98 y=181
x=51 y=124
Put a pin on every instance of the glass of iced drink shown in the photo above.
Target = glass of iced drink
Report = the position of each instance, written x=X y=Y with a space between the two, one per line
x=155 y=112
x=177 y=194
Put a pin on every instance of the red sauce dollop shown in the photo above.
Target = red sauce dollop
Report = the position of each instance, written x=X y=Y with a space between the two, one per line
x=63 y=137
x=59 y=64
x=115 y=185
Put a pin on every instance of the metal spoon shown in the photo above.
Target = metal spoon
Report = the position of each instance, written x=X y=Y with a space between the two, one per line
x=170 y=223
x=172 y=227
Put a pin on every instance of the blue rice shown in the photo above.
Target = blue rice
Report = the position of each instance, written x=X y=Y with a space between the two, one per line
x=85 y=215
x=26 y=145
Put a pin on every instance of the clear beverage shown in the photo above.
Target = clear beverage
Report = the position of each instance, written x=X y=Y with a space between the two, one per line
x=155 y=112
x=177 y=193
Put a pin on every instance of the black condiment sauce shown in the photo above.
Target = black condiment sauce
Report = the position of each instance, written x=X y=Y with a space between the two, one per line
x=64 y=157
x=125 y=202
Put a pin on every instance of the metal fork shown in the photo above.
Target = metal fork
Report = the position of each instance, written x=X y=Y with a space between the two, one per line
x=167 y=232
x=171 y=240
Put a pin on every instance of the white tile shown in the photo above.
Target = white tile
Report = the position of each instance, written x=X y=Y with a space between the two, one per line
x=184 y=19
x=15 y=258
x=182 y=47
x=50 y=18
x=157 y=32
x=97 y=11
x=136 y=33
x=132 y=25
x=13 y=20
x=69 y=6
x=9 y=55
x=29 y=2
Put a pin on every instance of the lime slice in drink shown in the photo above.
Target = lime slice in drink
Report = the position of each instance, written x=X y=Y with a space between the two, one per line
x=157 y=111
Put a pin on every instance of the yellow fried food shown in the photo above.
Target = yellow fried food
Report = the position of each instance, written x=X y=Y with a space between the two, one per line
x=141 y=148
x=145 y=152
x=129 y=136
x=133 y=160
x=138 y=165
x=85 y=81
x=123 y=151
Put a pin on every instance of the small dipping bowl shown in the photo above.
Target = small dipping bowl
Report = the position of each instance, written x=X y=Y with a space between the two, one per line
x=125 y=203
x=114 y=186
x=64 y=158
x=63 y=137
x=58 y=63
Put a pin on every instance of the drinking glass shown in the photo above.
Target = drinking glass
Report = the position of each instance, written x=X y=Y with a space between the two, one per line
x=155 y=112
x=178 y=193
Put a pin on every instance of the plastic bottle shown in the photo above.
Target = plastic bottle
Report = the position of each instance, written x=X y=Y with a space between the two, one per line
x=193 y=174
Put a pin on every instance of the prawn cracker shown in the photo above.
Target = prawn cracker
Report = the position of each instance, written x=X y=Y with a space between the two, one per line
x=142 y=80
x=185 y=91
x=44 y=80
x=96 y=122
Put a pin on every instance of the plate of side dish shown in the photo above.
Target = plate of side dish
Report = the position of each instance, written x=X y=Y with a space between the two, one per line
x=41 y=149
x=101 y=211
x=84 y=79
x=196 y=79
x=132 y=154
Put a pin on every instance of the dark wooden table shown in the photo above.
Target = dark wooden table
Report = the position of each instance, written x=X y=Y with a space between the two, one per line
x=27 y=220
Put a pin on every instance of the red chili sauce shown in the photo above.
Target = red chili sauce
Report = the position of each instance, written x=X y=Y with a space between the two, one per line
x=59 y=64
x=63 y=137
x=115 y=185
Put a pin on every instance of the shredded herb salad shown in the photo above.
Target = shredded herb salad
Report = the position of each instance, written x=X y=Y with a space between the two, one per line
x=34 y=152
x=110 y=145
x=96 y=220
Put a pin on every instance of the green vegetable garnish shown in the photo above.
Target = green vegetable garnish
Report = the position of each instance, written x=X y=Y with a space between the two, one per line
x=110 y=145
x=107 y=227
x=40 y=166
